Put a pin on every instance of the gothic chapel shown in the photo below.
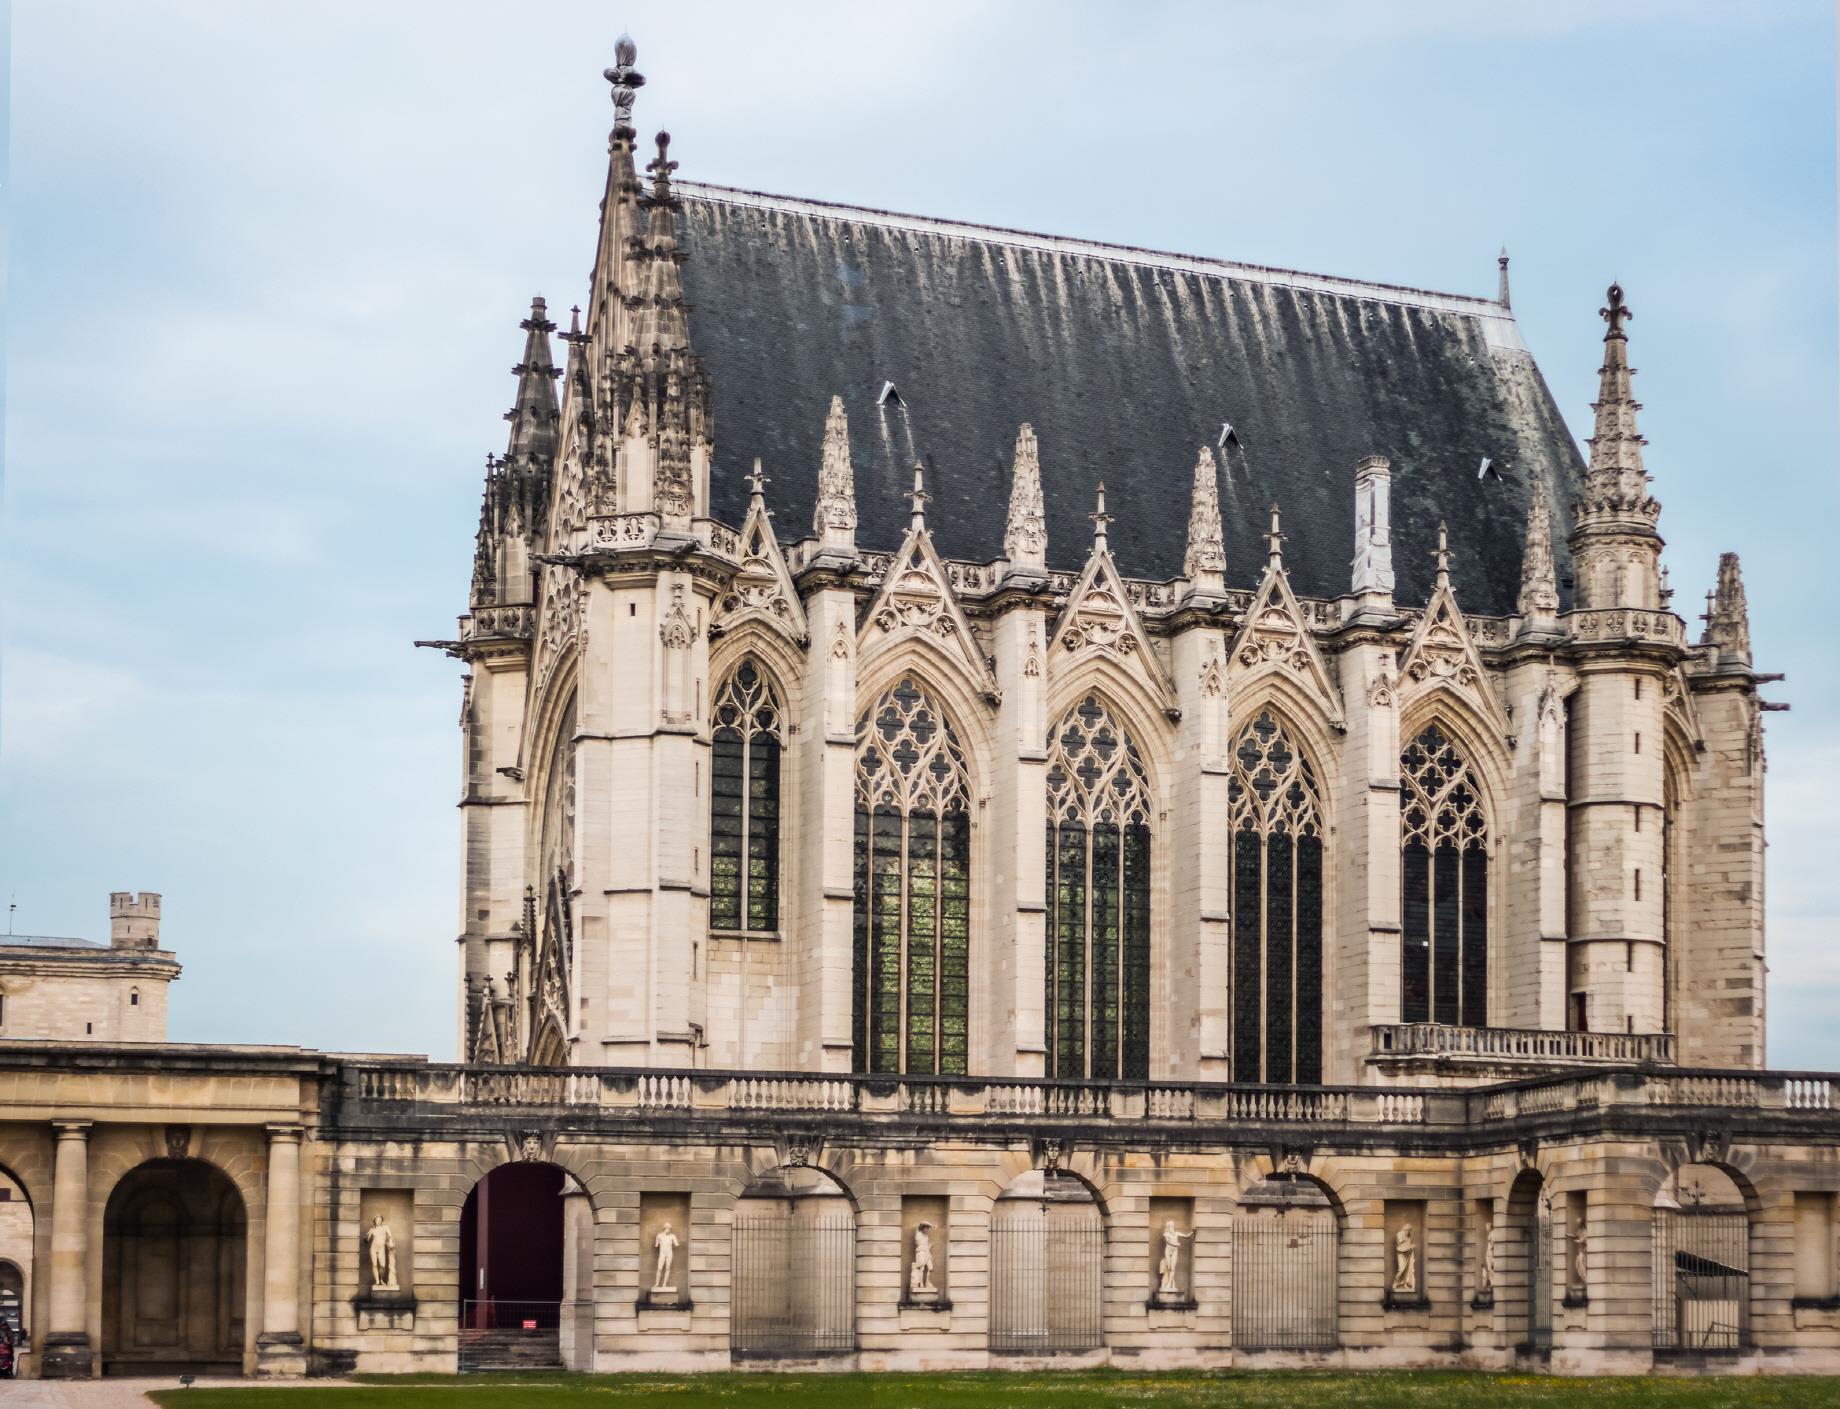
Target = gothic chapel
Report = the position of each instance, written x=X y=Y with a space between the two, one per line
x=1026 y=801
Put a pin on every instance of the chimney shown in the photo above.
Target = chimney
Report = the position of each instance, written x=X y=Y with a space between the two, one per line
x=134 y=920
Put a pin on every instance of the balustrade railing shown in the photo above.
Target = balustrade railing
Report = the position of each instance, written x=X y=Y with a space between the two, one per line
x=637 y=1092
x=1510 y=1044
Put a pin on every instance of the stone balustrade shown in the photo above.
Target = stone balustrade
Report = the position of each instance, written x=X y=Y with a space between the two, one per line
x=1522 y=1044
x=615 y=1092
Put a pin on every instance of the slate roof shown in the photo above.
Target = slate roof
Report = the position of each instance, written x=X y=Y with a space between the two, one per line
x=1124 y=361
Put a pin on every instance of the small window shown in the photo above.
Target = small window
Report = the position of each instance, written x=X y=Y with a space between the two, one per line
x=1638 y=743
x=89 y=1029
x=1638 y=883
x=134 y=997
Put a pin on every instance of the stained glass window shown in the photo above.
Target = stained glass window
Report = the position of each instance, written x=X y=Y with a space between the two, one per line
x=1275 y=812
x=1097 y=975
x=745 y=741
x=1444 y=912
x=912 y=880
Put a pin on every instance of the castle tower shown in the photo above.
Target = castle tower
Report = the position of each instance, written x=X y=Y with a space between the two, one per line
x=1616 y=959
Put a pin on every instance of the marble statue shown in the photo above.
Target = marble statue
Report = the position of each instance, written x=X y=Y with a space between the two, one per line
x=1173 y=1238
x=665 y=1244
x=382 y=1246
x=1578 y=1264
x=1488 y=1256
x=1405 y=1260
x=920 y=1270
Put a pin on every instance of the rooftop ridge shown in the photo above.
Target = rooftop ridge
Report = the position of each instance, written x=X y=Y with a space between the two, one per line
x=1467 y=305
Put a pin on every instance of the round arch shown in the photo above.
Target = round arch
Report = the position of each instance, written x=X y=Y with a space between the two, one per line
x=175 y=1265
x=793 y=1264
x=1047 y=1264
x=1287 y=1249
x=514 y=1246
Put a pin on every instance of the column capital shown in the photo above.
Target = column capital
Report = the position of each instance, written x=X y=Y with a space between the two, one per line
x=285 y=1134
x=72 y=1129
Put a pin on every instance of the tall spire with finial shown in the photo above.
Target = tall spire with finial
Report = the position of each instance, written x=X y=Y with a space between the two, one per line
x=1274 y=541
x=1025 y=535
x=1205 y=561
x=664 y=323
x=1614 y=525
x=1539 y=596
x=621 y=217
x=916 y=500
x=513 y=516
x=1101 y=521
x=1501 y=293
x=1443 y=556
x=1728 y=617
x=834 y=517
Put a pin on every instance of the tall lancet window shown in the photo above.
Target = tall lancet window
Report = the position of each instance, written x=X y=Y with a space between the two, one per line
x=745 y=735
x=913 y=888
x=1276 y=817
x=1444 y=885
x=1098 y=950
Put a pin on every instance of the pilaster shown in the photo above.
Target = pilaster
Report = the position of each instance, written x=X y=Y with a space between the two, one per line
x=1362 y=989
x=1015 y=914
x=1196 y=978
x=67 y=1344
x=280 y=1349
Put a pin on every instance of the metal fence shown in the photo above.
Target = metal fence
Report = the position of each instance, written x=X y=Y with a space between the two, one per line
x=794 y=1289
x=521 y=1335
x=1047 y=1279
x=1702 y=1279
x=1540 y=1279
x=1284 y=1280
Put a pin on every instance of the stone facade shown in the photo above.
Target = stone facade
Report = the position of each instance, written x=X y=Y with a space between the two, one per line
x=1215 y=972
x=74 y=990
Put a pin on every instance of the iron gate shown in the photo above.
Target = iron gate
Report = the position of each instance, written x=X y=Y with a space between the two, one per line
x=1284 y=1280
x=794 y=1289
x=1539 y=1236
x=1702 y=1279
x=1047 y=1274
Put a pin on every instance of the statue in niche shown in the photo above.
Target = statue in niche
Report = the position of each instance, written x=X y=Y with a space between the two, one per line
x=1488 y=1256
x=381 y=1244
x=1169 y=1266
x=920 y=1270
x=1405 y=1261
x=1578 y=1277
x=665 y=1245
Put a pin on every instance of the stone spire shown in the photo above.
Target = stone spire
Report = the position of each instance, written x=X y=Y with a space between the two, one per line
x=1728 y=618
x=916 y=500
x=663 y=321
x=1501 y=293
x=1539 y=599
x=1100 y=521
x=834 y=517
x=1025 y=537
x=1616 y=482
x=513 y=515
x=1274 y=542
x=1616 y=551
x=1205 y=562
x=1373 y=526
x=1443 y=557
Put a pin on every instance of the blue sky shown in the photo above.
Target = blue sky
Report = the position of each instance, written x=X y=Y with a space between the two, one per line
x=267 y=262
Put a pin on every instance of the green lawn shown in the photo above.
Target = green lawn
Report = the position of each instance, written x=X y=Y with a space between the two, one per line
x=1273 y=1389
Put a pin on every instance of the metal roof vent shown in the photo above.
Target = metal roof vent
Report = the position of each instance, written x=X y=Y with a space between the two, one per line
x=1228 y=436
x=889 y=396
x=1487 y=470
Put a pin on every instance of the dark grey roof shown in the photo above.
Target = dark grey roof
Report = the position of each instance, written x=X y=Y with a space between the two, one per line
x=1125 y=361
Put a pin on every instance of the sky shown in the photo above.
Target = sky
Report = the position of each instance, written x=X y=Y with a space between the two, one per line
x=265 y=264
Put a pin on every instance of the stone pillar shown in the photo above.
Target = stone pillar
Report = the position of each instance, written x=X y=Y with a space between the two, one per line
x=280 y=1352
x=66 y=1343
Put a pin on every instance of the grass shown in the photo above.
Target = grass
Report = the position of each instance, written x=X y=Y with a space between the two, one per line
x=1096 y=1389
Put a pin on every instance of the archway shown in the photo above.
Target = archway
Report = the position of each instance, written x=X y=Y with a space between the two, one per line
x=794 y=1277
x=15 y=1260
x=174 y=1262
x=1286 y=1266
x=1523 y=1261
x=1047 y=1265
x=1702 y=1252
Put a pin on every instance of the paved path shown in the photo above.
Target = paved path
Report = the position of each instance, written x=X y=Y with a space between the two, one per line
x=105 y=1394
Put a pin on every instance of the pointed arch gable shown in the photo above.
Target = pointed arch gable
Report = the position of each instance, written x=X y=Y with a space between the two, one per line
x=916 y=603
x=1442 y=655
x=1275 y=640
x=1099 y=624
x=778 y=658
x=761 y=591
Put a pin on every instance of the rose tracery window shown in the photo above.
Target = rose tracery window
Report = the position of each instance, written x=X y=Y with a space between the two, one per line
x=1098 y=860
x=1276 y=817
x=1444 y=885
x=745 y=734
x=912 y=888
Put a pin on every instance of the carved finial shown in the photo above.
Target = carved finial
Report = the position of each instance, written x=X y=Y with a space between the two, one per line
x=1274 y=541
x=626 y=80
x=1501 y=263
x=834 y=518
x=1025 y=536
x=1615 y=313
x=575 y=320
x=1099 y=521
x=1206 y=557
x=1443 y=555
x=661 y=167
x=917 y=499
x=757 y=482
x=1667 y=588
